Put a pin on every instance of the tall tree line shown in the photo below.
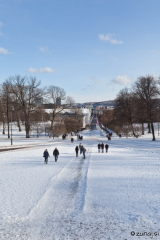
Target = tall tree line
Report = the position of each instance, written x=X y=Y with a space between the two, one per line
x=140 y=104
x=21 y=93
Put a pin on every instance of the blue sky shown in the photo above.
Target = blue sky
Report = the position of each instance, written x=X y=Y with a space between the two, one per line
x=91 y=48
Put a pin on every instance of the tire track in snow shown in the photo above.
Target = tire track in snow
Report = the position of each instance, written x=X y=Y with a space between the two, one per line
x=81 y=199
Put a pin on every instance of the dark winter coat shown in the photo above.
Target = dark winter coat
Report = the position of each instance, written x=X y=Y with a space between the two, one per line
x=106 y=146
x=55 y=152
x=46 y=154
x=102 y=146
x=99 y=146
x=83 y=149
x=77 y=149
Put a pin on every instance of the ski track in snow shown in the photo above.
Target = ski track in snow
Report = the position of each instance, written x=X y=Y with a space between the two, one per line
x=105 y=196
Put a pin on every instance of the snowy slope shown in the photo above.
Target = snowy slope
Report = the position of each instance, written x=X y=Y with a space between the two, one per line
x=105 y=196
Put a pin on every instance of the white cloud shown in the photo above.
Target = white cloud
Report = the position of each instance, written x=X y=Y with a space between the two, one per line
x=3 y=51
x=44 y=49
x=122 y=80
x=109 y=38
x=94 y=80
x=41 y=70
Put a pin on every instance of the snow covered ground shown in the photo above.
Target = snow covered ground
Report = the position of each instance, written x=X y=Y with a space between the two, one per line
x=105 y=196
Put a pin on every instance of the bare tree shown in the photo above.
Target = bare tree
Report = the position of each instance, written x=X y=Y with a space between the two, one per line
x=59 y=129
x=6 y=99
x=26 y=91
x=72 y=124
x=3 y=114
x=124 y=107
x=54 y=93
x=70 y=101
x=140 y=112
x=147 y=90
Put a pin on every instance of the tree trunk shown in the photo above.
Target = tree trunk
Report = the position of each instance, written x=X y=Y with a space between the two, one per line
x=153 y=132
x=51 y=124
x=52 y=121
x=4 y=127
x=8 y=119
x=18 y=123
x=149 y=128
x=8 y=129
x=142 y=128
x=132 y=129
x=27 y=126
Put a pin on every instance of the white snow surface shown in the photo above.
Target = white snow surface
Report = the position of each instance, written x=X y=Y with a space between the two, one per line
x=105 y=196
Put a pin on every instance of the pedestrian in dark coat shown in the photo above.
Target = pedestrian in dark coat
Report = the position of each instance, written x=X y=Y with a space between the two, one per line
x=46 y=155
x=99 y=147
x=102 y=147
x=55 y=154
x=83 y=151
x=76 y=149
x=72 y=139
x=106 y=147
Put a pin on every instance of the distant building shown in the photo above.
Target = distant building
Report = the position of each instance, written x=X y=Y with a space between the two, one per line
x=39 y=102
x=58 y=101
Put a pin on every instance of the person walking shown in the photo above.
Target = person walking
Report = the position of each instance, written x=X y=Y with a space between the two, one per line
x=55 y=154
x=102 y=147
x=106 y=147
x=46 y=155
x=80 y=146
x=83 y=151
x=76 y=149
x=99 y=147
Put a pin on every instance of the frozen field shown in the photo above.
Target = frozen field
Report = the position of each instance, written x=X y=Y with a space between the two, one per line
x=105 y=196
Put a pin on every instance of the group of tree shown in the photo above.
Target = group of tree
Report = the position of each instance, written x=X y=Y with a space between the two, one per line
x=139 y=104
x=18 y=97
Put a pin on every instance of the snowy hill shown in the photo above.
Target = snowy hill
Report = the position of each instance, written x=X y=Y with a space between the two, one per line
x=105 y=196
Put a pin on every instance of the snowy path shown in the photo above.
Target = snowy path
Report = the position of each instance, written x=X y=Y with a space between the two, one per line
x=105 y=196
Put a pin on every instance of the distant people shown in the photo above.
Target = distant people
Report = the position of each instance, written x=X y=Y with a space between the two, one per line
x=46 y=155
x=64 y=136
x=80 y=137
x=120 y=135
x=109 y=138
x=72 y=140
x=83 y=151
x=77 y=149
x=55 y=154
x=99 y=147
x=106 y=147
x=80 y=146
x=102 y=147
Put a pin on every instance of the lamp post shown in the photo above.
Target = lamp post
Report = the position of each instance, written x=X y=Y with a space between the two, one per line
x=11 y=125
